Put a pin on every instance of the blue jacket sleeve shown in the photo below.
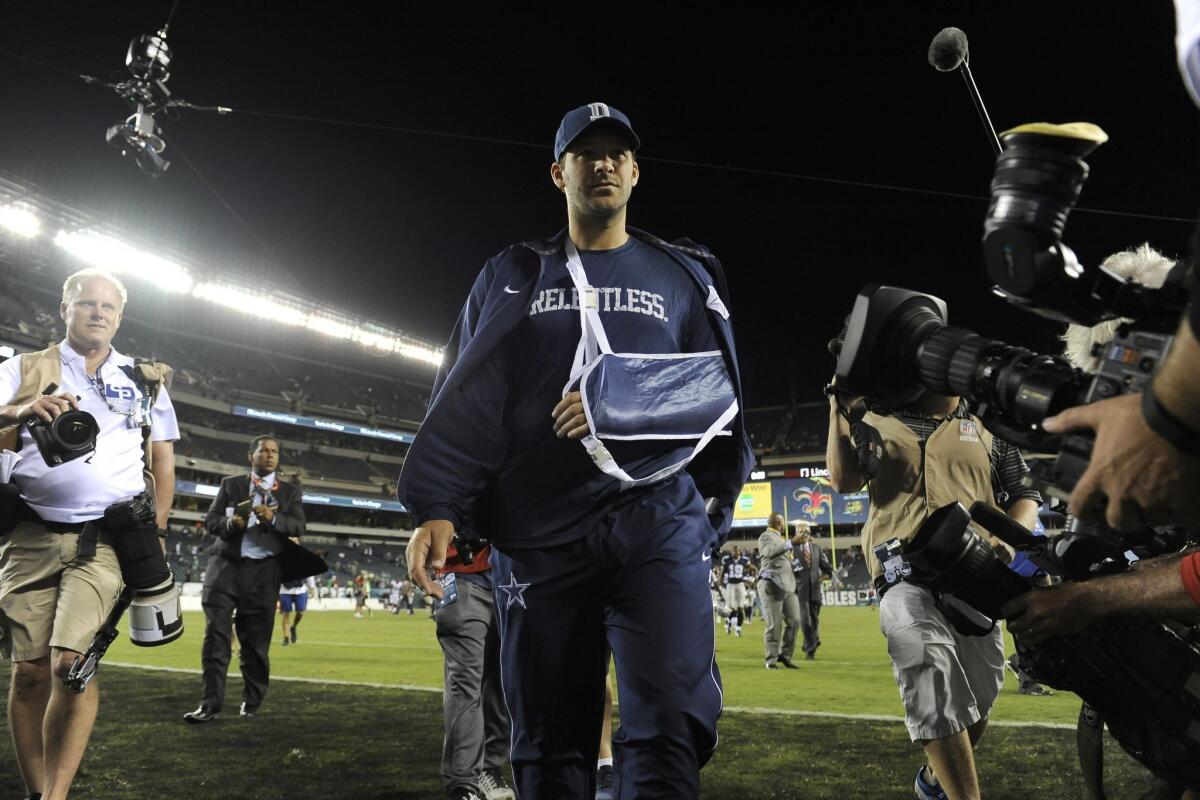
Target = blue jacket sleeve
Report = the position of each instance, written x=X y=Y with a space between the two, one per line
x=462 y=441
x=723 y=467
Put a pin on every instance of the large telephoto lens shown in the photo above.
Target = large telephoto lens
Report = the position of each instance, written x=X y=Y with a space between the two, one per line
x=965 y=565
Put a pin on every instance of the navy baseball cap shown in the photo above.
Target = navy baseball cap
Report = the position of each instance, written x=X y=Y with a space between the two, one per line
x=583 y=118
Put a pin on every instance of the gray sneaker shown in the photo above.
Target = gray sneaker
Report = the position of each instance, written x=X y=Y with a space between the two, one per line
x=492 y=784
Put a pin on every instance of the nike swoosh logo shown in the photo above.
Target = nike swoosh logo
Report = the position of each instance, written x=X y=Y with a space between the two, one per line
x=510 y=291
x=706 y=557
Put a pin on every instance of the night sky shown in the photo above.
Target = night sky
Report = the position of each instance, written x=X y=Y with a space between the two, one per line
x=740 y=114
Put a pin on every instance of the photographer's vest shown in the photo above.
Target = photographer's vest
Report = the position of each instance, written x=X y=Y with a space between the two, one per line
x=914 y=480
x=40 y=369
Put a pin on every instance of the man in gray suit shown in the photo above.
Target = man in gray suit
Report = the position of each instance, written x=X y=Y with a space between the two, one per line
x=810 y=563
x=777 y=591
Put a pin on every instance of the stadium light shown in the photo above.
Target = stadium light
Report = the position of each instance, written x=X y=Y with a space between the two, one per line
x=19 y=220
x=260 y=305
x=380 y=341
x=321 y=323
x=119 y=258
x=420 y=353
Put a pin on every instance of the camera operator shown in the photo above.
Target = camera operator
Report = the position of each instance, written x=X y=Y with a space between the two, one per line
x=931 y=453
x=251 y=518
x=60 y=575
x=475 y=746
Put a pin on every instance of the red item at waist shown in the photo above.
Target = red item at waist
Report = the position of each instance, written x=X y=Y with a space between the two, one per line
x=480 y=564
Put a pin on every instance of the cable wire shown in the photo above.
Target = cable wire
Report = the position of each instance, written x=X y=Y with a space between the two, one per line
x=673 y=161
x=228 y=207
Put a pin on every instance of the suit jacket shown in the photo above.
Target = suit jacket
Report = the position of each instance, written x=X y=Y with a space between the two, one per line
x=773 y=561
x=289 y=515
x=808 y=578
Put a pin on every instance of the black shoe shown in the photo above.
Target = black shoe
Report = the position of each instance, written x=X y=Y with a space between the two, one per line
x=769 y=664
x=248 y=712
x=464 y=793
x=285 y=641
x=787 y=662
x=810 y=657
x=1035 y=689
x=201 y=714
x=293 y=633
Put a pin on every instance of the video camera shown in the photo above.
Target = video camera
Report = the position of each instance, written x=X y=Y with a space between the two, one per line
x=897 y=344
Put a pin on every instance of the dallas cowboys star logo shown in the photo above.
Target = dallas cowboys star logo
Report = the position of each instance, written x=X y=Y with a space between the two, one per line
x=515 y=591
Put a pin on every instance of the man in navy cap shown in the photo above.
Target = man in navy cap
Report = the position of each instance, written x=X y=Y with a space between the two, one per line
x=586 y=422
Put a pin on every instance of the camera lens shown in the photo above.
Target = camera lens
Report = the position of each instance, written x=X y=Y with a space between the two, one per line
x=75 y=432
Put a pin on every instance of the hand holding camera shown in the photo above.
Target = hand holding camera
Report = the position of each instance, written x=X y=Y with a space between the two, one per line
x=47 y=407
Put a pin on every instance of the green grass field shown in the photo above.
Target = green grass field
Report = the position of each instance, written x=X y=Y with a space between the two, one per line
x=363 y=721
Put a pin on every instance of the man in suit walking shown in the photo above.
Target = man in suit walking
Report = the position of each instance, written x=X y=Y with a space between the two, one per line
x=251 y=516
x=811 y=562
x=777 y=591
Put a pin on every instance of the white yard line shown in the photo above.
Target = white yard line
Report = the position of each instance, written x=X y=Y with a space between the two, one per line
x=780 y=712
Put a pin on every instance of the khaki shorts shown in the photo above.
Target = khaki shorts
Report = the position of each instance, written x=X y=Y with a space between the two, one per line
x=947 y=681
x=50 y=598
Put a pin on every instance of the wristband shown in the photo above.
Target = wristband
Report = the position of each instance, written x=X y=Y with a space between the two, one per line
x=1189 y=573
x=1168 y=426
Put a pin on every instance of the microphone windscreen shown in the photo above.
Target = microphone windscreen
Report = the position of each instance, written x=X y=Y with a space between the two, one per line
x=948 y=49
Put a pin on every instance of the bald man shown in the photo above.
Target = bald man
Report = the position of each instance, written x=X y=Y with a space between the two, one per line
x=777 y=591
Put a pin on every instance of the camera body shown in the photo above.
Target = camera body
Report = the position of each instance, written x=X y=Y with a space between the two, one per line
x=68 y=436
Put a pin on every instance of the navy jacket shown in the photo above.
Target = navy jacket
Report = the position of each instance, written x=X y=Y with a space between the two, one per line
x=461 y=445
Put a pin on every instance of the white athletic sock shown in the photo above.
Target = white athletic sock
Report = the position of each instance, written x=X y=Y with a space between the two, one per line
x=603 y=762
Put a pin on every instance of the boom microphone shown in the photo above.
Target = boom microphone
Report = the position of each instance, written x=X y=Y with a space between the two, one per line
x=948 y=51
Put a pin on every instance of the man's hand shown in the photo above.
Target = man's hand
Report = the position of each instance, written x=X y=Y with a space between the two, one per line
x=569 y=419
x=1134 y=477
x=1045 y=613
x=427 y=549
x=47 y=407
x=237 y=523
x=265 y=512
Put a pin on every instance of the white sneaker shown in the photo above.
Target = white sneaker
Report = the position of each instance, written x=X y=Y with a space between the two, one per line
x=358 y=616
x=493 y=786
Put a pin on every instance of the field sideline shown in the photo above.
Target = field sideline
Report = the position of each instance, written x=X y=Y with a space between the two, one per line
x=851 y=676
x=362 y=720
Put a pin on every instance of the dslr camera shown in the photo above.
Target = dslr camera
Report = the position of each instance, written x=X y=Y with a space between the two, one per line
x=68 y=436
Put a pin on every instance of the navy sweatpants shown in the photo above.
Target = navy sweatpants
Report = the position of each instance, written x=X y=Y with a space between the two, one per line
x=637 y=584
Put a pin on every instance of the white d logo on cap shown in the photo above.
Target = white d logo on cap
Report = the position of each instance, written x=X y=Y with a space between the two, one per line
x=599 y=110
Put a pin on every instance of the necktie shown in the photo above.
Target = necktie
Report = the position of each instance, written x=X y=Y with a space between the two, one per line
x=807 y=557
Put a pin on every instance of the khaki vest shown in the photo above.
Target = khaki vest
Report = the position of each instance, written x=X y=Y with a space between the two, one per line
x=40 y=369
x=913 y=482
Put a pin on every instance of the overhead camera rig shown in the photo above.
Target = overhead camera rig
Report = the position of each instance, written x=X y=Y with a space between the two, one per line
x=149 y=61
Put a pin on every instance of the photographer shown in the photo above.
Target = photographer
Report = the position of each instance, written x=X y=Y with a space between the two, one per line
x=61 y=573
x=927 y=454
x=251 y=517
